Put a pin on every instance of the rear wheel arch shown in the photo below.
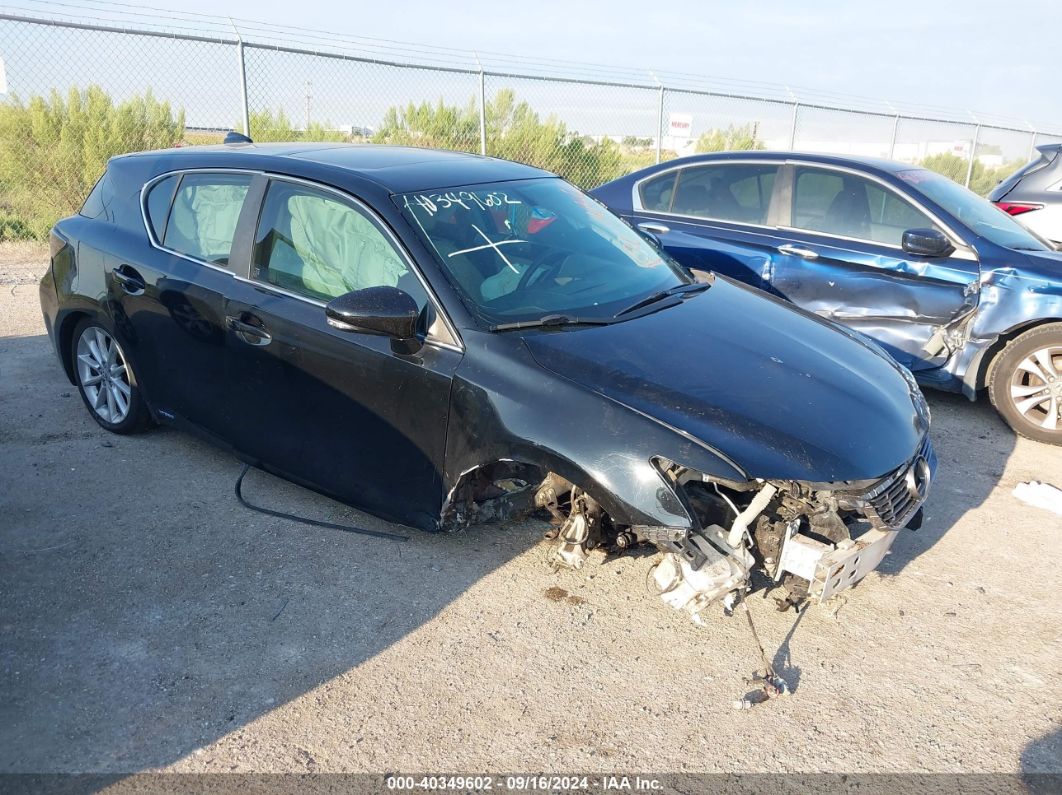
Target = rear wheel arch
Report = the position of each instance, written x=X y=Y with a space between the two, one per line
x=65 y=340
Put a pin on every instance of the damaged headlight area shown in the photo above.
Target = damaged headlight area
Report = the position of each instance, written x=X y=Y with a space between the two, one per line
x=815 y=540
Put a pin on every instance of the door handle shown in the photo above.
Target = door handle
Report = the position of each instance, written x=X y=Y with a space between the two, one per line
x=247 y=332
x=130 y=281
x=798 y=251
x=653 y=229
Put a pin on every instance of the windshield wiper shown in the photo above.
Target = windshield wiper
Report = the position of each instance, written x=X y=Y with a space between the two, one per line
x=678 y=289
x=552 y=320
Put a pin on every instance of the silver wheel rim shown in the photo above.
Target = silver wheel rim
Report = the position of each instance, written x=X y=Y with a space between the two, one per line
x=103 y=374
x=1036 y=388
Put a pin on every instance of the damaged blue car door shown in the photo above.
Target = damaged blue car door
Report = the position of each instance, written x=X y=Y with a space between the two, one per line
x=853 y=249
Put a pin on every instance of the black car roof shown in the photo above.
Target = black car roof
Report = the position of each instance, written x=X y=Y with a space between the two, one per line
x=398 y=169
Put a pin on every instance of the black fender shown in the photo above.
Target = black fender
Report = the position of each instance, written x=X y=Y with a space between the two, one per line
x=506 y=410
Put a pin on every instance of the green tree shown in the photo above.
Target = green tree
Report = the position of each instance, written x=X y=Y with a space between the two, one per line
x=735 y=138
x=514 y=131
x=53 y=149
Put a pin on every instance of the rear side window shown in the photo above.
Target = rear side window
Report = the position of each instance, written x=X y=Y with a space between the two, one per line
x=158 y=205
x=656 y=192
x=202 y=221
x=738 y=192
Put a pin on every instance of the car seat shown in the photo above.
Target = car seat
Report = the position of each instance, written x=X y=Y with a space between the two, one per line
x=691 y=199
x=849 y=212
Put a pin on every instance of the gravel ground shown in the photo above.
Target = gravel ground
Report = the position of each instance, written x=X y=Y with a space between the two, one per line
x=149 y=622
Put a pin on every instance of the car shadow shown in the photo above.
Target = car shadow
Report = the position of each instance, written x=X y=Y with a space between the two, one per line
x=1041 y=764
x=783 y=660
x=973 y=445
x=144 y=613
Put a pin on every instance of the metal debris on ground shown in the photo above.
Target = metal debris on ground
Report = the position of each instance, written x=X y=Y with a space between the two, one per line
x=768 y=683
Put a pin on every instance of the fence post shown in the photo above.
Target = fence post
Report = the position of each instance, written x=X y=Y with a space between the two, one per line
x=895 y=131
x=243 y=80
x=1032 y=144
x=973 y=154
x=660 y=123
x=482 y=108
x=793 y=128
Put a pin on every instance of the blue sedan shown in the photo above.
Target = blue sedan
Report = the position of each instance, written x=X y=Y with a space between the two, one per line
x=954 y=289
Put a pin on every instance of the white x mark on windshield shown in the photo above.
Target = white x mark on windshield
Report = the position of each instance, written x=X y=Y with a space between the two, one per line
x=490 y=244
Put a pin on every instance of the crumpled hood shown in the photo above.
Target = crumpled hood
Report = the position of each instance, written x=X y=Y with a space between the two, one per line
x=782 y=394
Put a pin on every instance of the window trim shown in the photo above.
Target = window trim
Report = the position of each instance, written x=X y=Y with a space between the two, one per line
x=783 y=214
x=180 y=174
x=636 y=191
x=178 y=179
x=457 y=344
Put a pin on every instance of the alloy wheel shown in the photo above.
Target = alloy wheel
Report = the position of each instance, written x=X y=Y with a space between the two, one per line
x=1036 y=387
x=103 y=375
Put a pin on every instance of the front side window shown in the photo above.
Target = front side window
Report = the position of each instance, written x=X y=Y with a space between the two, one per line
x=202 y=221
x=847 y=205
x=318 y=245
x=526 y=249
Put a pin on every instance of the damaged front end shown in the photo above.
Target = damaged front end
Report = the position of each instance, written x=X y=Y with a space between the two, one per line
x=814 y=539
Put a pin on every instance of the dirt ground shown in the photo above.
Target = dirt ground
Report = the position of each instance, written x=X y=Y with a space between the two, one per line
x=148 y=621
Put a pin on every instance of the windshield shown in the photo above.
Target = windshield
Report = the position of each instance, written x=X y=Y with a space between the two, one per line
x=980 y=215
x=524 y=250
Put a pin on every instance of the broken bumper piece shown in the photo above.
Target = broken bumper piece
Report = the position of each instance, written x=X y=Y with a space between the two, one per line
x=830 y=569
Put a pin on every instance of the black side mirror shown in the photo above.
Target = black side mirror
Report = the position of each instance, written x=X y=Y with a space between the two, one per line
x=926 y=243
x=384 y=311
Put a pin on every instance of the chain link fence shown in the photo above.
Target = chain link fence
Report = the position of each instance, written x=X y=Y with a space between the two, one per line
x=77 y=92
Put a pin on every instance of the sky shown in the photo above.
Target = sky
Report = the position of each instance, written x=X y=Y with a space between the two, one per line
x=994 y=57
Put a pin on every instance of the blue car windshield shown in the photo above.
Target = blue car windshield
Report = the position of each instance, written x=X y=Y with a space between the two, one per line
x=528 y=249
x=979 y=214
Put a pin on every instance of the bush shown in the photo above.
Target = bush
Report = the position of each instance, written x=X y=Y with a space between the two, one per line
x=733 y=139
x=982 y=179
x=52 y=151
x=265 y=127
x=514 y=131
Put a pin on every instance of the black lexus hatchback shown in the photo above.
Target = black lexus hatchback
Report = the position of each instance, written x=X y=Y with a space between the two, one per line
x=441 y=339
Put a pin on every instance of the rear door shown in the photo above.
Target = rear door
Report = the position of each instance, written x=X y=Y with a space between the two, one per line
x=715 y=216
x=167 y=298
x=840 y=257
x=340 y=411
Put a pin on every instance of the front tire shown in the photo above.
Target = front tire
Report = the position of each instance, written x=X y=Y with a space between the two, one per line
x=1026 y=384
x=106 y=379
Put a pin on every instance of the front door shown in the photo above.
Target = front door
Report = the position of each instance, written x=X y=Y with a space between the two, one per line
x=339 y=411
x=840 y=257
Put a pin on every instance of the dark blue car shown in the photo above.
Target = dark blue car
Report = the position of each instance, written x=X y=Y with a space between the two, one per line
x=954 y=289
